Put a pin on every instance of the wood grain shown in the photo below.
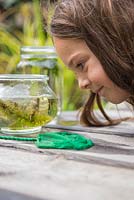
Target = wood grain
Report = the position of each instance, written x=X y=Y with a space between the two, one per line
x=105 y=171
x=55 y=177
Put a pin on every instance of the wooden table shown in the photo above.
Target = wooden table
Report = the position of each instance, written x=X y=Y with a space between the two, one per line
x=105 y=171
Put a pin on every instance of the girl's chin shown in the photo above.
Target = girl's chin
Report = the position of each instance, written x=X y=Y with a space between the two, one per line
x=115 y=100
x=113 y=97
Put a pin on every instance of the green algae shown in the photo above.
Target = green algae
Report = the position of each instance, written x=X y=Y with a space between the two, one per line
x=26 y=113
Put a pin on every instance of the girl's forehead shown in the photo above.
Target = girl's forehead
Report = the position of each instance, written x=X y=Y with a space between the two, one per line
x=71 y=49
x=70 y=44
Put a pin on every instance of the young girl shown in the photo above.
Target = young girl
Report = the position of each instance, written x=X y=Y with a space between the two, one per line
x=95 y=39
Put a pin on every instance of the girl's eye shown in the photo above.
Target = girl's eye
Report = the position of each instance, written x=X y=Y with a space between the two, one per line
x=80 y=66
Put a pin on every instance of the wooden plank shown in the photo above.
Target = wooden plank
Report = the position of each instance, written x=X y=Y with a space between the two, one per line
x=11 y=195
x=104 y=171
x=123 y=129
x=55 y=177
x=114 y=151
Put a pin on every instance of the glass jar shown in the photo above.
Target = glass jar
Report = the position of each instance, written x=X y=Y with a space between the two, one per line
x=26 y=103
x=43 y=60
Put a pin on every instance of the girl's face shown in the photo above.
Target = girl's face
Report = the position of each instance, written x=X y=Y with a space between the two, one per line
x=89 y=72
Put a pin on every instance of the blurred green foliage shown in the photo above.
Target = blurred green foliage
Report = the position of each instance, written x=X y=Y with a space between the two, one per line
x=29 y=32
x=22 y=24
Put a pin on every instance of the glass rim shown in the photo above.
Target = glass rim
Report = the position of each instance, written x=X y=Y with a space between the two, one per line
x=28 y=52
x=49 y=49
x=23 y=77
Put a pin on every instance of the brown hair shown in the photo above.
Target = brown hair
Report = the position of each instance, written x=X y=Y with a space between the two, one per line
x=107 y=26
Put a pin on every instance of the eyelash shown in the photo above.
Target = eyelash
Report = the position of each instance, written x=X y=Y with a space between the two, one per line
x=80 y=66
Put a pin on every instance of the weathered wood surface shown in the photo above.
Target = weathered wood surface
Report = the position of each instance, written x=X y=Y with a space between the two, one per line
x=106 y=171
x=126 y=128
x=11 y=195
x=56 y=177
x=108 y=150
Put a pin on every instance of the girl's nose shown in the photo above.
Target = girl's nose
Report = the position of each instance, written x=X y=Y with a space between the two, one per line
x=84 y=83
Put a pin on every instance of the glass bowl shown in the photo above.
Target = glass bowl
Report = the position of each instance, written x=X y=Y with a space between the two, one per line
x=26 y=103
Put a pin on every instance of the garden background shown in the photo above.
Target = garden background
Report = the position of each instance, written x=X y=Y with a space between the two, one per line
x=23 y=23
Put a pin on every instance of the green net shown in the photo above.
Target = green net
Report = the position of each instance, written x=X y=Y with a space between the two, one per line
x=56 y=140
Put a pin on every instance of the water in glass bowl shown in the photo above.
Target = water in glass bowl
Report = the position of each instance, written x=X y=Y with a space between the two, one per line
x=26 y=115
